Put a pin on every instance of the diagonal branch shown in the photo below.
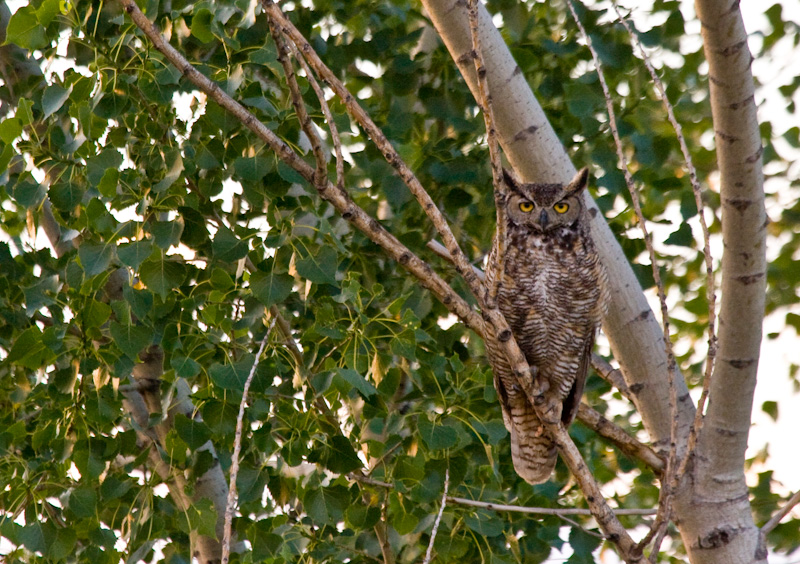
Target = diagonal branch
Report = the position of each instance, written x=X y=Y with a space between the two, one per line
x=670 y=475
x=230 y=505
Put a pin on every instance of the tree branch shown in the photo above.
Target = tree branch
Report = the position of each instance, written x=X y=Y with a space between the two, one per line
x=670 y=474
x=780 y=514
x=438 y=517
x=230 y=505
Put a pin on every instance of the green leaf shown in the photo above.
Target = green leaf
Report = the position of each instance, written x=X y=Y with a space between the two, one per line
x=436 y=437
x=326 y=506
x=771 y=409
x=95 y=313
x=53 y=98
x=201 y=25
x=48 y=10
x=184 y=366
x=174 y=163
x=232 y=376
x=341 y=457
x=584 y=545
x=167 y=234
x=266 y=544
x=485 y=523
x=97 y=166
x=83 y=501
x=194 y=433
x=162 y=275
x=253 y=169
x=133 y=254
x=131 y=339
x=25 y=30
x=227 y=247
x=271 y=289
x=405 y=523
x=27 y=192
x=66 y=195
x=10 y=129
x=29 y=349
x=95 y=257
x=357 y=381
x=362 y=517
x=320 y=267
x=108 y=183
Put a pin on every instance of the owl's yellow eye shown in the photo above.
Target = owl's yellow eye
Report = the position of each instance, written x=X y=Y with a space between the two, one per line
x=525 y=207
x=561 y=207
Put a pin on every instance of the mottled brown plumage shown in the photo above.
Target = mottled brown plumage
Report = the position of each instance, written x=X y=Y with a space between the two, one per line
x=552 y=292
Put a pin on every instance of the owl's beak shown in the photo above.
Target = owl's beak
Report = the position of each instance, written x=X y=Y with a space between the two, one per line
x=543 y=219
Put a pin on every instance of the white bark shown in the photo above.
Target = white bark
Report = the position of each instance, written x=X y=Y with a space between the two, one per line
x=718 y=525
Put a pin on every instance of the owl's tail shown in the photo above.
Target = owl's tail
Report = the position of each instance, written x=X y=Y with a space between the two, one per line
x=533 y=453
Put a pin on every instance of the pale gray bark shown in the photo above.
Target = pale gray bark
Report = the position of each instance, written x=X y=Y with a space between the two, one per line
x=717 y=523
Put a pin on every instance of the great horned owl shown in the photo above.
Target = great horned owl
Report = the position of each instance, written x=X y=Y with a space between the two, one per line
x=552 y=292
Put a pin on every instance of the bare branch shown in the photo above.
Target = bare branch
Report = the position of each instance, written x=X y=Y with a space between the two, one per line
x=611 y=375
x=665 y=495
x=492 y=506
x=620 y=438
x=389 y=152
x=321 y=172
x=782 y=512
x=438 y=517
x=237 y=447
x=484 y=100
x=711 y=294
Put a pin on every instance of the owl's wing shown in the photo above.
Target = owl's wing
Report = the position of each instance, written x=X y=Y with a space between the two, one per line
x=573 y=400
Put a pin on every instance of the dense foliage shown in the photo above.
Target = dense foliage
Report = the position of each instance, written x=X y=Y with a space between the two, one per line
x=142 y=174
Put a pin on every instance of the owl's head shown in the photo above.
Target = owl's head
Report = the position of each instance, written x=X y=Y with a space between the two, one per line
x=545 y=207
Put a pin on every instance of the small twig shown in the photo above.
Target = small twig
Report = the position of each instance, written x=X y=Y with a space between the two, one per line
x=485 y=102
x=237 y=447
x=492 y=506
x=665 y=495
x=626 y=443
x=321 y=173
x=612 y=375
x=558 y=512
x=711 y=295
x=438 y=517
x=326 y=111
x=782 y=512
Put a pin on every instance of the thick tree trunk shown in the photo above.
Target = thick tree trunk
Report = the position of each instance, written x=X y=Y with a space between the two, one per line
x=716 y=521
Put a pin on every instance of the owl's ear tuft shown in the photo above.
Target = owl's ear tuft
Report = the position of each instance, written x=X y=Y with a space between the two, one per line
x=510 y=179
x=578 y=182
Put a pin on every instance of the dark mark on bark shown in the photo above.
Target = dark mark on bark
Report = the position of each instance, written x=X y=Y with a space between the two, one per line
x=504 y=336
x=636 y=388
x=525 y=133
x=593 y=212
x=726 y=432
x=755 y=156
x=726 y=136
x=746 y=101
x=404 y=258
x=733 y=49
x=749 y=279
x=717 y=538
x=740 y=363
x=740 y=204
